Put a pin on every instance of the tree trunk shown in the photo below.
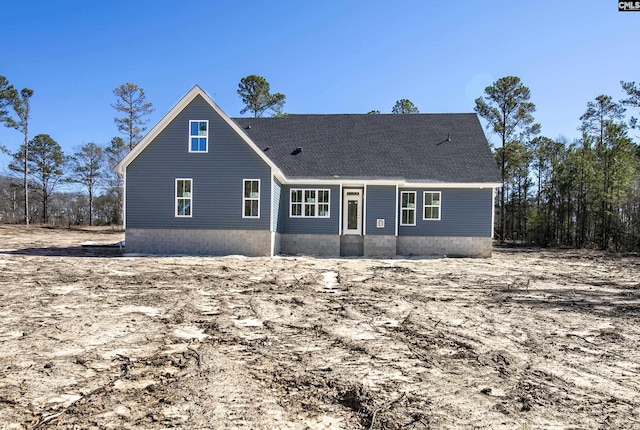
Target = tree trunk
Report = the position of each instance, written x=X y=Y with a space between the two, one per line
x=26 y=171
x=90 y=205
x=503 y=221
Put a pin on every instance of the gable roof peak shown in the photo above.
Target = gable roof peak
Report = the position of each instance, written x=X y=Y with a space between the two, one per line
x=195 y=91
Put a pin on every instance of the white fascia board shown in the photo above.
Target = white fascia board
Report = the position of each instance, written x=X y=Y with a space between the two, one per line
x=391 y=182
x=170 y=116
x=277 y=173
x=452 y=184
x=345 y=182
x=156 y=129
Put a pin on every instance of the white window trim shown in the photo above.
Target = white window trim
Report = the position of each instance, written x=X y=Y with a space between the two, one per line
x=425 y=205
x=340 y=223
x=304 y=203
x=415 y=200
x=175 y=197
x=396 y=220
x=364 y=211
x=291 y=203
x=206 y=137
x=244 y=199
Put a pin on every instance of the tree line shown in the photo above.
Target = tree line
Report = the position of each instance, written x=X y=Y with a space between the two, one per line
x=44 y=167
x=583 y=193
x=579 y=193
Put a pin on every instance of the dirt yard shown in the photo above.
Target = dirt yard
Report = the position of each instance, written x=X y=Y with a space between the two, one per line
x=529 y=339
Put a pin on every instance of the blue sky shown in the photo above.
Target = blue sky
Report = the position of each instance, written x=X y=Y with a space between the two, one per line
x=330 y=56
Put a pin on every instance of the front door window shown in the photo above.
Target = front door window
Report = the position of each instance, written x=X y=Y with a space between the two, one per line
x=352 y=215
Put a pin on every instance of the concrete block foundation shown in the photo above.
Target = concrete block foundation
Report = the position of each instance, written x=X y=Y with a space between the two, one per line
x=260 y=243
x=253 y=243
x=451 y=246
x=351 y=245
x=310 y=244
x=379 y=246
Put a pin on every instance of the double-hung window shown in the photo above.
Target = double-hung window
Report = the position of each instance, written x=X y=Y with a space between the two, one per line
x=323 y=203
x=431 y=205
x=408 y=208
x=309 y=203
x=198 y=136
x=251 y=198
x=184 y=197
x=296 y=203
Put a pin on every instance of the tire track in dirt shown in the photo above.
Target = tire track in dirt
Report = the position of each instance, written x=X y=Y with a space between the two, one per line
x=526 y=339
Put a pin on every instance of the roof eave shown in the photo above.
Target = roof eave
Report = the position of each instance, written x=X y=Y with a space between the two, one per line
x=390 y=181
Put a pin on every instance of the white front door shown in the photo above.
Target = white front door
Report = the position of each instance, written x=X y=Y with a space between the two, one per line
x=352 y=211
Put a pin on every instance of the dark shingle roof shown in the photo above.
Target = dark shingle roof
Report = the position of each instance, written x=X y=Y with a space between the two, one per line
x=412 y=147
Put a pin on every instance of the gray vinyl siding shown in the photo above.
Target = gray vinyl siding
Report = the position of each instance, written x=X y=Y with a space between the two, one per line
x=276 y=213
x=311 y=225
x=217 y=177
x=464 y=212
x=380 y=202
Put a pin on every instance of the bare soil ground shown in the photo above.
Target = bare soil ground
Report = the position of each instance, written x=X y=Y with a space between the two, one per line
x=529 y=339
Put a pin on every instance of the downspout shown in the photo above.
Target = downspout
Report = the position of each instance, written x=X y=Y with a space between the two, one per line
x=124 y=200
x=396 y=209
x=272 y=246
x=340 y=212
x=364 y=210
x=493 y=212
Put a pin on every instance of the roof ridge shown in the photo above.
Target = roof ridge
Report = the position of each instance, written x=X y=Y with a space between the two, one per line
x=357 y=114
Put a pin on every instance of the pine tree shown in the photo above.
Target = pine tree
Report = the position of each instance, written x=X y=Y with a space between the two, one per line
x=87 y=170
x=46 y=162
x=508 y=111
x=404 y=106
x=132 y=102
x=256 y=95
x=19 y=102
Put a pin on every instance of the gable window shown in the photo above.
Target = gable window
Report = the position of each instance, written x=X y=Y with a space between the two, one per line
x=431 y=205
x=183 y=197
x=309 y=203
x=198 y=136
x=408 y=208
x=251 y=198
